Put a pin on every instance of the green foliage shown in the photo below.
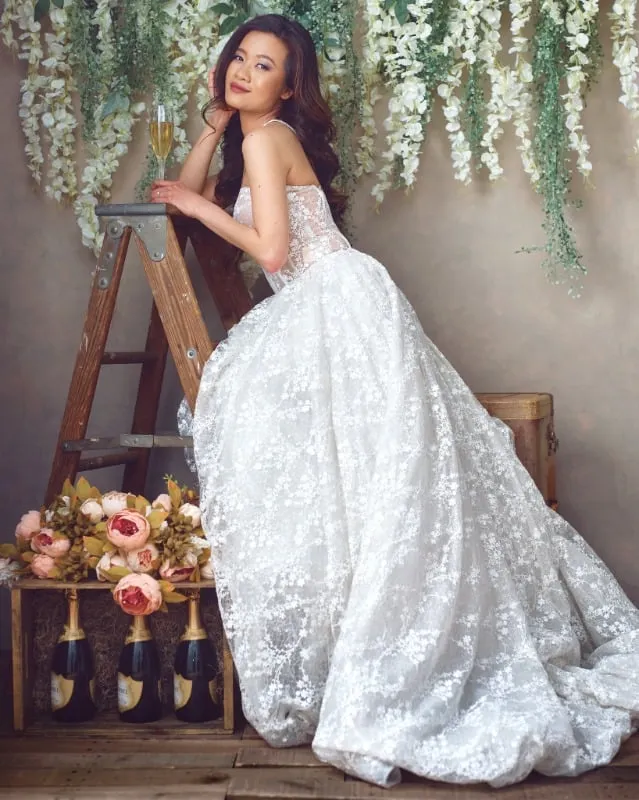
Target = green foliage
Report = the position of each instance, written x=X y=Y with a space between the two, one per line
x=331 y=24
x=474 y=114
x=134 y=59
x=562 y=260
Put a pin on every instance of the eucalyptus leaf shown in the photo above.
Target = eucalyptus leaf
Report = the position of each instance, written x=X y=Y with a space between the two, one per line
x=40 y=9
x=114 y=102
x=58 y=3
x=223 y=8
x=401 y=11
x=230 y=24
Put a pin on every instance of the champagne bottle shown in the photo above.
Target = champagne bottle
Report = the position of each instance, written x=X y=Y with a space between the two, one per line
x=195 y=671
x=139 y=675
x=72 y=676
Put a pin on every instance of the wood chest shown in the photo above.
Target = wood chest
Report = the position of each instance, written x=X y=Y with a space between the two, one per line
x=530 y=417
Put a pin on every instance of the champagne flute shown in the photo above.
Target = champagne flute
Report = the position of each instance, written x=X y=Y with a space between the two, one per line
x=161 y=130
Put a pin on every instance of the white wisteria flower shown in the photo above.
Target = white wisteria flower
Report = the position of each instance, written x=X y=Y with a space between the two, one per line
x=581 y=18
x=625 y=54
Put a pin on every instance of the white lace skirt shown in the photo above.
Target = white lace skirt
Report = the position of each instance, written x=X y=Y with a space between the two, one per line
x=393 y=587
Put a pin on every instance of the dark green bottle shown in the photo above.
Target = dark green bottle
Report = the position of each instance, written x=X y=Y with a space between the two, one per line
x=72 y=674
x=195 y=671
x=139 y=675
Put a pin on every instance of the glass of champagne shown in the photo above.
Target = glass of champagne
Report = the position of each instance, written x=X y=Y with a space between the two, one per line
x=161 y=130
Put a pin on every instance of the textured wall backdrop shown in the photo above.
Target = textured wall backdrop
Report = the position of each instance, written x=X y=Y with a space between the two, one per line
x=451 y=249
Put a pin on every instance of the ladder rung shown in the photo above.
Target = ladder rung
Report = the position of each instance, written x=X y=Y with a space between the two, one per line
x=133 y=357
x=139 y=440
x=113 y=460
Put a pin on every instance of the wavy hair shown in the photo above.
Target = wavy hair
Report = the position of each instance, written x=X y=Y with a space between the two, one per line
x=306 y=111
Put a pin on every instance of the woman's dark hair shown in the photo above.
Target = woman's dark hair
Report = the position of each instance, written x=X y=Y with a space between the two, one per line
x=306 y=110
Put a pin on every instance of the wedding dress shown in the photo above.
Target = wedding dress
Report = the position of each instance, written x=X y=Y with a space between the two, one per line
x=393 y=587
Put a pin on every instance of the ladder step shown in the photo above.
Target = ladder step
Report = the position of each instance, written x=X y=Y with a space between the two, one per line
x=139 y=440
x=113 y=460
x=133 y=357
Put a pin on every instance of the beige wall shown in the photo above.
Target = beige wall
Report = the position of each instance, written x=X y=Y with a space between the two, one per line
x=450 y=248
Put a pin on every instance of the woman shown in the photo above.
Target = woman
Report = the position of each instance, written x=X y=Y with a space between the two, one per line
x=393 y=587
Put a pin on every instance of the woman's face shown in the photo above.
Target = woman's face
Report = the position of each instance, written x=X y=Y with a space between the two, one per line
x=255 y=78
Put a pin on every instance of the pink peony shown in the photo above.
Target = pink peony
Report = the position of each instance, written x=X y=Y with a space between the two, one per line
x=112 y=502
x=92 y=509
x=105 y=563
x=206 y=571
x=138 y=594
x=144 y=559
x=128 y=530
x=181 y=572
x=162 y=501
x=28 y=525
x=49 y=543
x=192 y=512
x=42 y=565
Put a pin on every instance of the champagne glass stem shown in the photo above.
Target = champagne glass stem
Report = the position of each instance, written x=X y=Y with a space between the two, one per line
x=161 y=166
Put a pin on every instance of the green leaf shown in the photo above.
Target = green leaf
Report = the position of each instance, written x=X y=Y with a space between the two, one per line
x=93 y=546
x=401 y=11
x=230 y=24
x=174 y=597
x=83 y=489
x=41 y=9
x=114 y=102
x=58 y=3
x=141 y=504
x=156 y=518
x=222 y=8
x=174 y=493
x=115 y=573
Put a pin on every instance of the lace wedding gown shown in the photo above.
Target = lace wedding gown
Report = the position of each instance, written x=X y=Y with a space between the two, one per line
x=393 y=587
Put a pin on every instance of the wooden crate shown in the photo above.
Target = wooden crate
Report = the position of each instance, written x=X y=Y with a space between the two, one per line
x=530 y=417
x=37 y=619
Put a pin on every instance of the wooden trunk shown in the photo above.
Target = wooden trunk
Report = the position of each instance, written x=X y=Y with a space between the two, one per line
x=530 y=417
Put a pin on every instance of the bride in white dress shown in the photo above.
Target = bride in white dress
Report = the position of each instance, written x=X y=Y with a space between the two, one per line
x=393 y=587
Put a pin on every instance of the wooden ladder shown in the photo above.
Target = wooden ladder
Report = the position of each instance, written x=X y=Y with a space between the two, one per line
x=176 y=323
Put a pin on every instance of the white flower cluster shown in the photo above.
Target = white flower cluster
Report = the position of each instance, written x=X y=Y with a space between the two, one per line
x=58 y=120
x=21 y=15
x=519 y=84
x=581 y=21
x=394 y=47
x=193 y=30
x=392 y=62
x=625 y=54
x=499 y=105
x=110 y=142
x=461 y=42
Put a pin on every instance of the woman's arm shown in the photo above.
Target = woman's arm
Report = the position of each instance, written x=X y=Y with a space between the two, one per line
x=195 y=169
x=267 y=240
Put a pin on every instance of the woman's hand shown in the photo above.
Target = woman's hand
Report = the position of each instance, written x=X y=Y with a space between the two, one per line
x=175 y=193
x=219 y=116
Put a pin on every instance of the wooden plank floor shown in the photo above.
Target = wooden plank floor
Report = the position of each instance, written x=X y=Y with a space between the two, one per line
x=243 y=767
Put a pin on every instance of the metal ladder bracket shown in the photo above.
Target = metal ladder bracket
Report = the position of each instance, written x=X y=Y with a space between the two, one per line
x=149 y=226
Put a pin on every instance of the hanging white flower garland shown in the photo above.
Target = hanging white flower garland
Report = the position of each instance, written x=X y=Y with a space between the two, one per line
x=397 y=37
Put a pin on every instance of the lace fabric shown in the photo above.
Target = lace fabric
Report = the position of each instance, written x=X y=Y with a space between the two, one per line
x=313 y=233
x=393 y=587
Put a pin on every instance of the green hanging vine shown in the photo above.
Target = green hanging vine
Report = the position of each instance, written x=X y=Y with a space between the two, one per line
x=116 y=54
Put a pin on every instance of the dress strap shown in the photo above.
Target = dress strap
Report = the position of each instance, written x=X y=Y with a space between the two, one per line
x=281 y=121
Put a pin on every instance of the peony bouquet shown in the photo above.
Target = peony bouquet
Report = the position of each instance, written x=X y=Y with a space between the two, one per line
x=143 y=546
